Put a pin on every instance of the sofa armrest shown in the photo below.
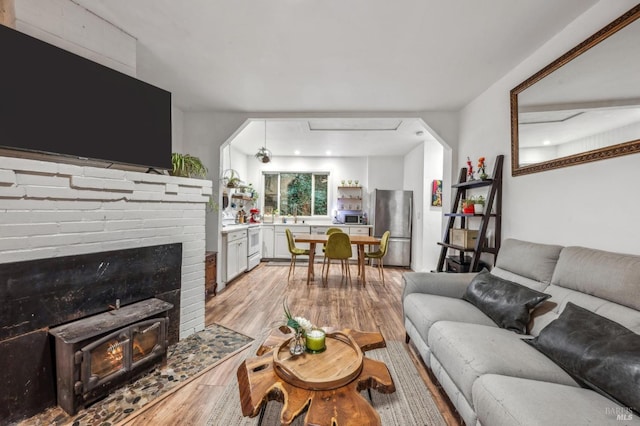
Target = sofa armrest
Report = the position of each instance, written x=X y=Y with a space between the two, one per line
x=437 y=283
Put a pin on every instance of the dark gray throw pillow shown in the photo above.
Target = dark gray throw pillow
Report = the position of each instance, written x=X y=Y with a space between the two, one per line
x=600 y=353
x=507 y=303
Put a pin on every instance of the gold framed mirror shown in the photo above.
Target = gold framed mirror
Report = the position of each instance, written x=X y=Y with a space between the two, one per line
x=584 y=106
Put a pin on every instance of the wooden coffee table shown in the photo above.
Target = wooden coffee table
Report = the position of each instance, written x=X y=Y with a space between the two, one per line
x=326 y=385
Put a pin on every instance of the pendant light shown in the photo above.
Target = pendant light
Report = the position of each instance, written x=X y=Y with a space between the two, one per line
x=264 y=155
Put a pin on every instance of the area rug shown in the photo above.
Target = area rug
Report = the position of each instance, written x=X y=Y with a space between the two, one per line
x=410 y=405
x=186 y=360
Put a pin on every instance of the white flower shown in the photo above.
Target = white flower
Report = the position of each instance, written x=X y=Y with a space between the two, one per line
x=304 y=323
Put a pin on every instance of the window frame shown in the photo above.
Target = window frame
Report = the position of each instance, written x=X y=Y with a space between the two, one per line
x=313 y=189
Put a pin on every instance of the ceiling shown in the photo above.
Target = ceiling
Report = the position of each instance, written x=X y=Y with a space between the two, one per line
x=332 y=56
x=333 y=137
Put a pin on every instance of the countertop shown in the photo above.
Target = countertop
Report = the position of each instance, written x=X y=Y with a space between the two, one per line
x=237 y=227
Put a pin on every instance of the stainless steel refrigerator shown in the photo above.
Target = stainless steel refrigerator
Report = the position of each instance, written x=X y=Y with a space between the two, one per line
x=393 y=211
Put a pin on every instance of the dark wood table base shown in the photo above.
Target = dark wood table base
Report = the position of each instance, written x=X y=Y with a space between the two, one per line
x=345 y=405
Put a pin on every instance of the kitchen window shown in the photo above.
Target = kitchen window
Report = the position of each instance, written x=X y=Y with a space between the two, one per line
x=302 y=194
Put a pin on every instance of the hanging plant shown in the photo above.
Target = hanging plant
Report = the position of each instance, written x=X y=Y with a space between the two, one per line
x=186 y=165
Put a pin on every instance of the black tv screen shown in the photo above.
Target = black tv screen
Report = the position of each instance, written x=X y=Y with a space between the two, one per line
x=54 y=101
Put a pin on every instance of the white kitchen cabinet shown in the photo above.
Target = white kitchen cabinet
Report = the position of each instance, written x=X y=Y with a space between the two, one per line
x=323 y=230
x=357 y=230
x=281 y=246
x=268 y=241
x=235 y=251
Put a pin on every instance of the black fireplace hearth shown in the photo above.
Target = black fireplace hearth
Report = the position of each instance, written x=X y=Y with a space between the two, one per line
x=41 y=294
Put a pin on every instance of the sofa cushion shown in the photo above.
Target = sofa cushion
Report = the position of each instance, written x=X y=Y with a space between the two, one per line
x=424 y=310
x=467 y=351
x=611 y=276
x=531 y=260
x=512 y=401
x=551 y=308
x=505 y=302
x=600 y=353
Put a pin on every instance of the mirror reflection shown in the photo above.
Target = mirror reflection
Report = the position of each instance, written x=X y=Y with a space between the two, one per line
x=583 y=107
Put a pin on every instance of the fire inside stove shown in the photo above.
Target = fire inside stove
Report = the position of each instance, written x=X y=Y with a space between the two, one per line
x=109 y=357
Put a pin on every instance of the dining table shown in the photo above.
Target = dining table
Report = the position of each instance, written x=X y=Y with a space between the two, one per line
x=359 y=240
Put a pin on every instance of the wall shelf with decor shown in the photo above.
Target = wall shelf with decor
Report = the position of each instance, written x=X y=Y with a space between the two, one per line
x=472 y=243
x=350 y=198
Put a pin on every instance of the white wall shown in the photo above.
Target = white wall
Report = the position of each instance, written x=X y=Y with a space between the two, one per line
x=432 y=216
x=578 y=205
x=177 y=129
x=413 y=177
x=386 y=173
x=71 y=27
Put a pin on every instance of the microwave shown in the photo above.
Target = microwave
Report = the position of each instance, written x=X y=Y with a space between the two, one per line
x=353 y=219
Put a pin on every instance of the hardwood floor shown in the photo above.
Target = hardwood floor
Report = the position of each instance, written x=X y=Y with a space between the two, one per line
x=253 y=303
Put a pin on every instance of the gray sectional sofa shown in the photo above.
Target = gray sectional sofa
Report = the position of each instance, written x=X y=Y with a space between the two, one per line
x=490 y=374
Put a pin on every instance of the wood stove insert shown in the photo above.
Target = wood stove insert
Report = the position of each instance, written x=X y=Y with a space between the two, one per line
x=96 y=354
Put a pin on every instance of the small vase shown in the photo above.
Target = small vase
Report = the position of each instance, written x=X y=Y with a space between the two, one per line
x=484 y=176
x=297 y=345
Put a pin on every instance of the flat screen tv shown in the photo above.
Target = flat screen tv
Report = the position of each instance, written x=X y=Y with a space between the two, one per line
x=55 y=102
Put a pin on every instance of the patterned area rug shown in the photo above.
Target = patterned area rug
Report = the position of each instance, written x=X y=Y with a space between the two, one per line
x=410 y=405
x=186 y=359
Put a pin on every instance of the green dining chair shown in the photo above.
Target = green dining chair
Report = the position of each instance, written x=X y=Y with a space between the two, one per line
x=338 y=247
x=379 y=254
x=295 y=252
x=324 y=246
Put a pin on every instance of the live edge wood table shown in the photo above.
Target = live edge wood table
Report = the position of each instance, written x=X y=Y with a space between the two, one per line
x=326 y=384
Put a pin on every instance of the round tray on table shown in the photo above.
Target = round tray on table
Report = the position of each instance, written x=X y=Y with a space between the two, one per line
x=331 y=369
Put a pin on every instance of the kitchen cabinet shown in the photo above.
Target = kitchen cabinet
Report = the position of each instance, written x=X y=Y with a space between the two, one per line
x=282 y=246
x=235 y=246
x=357 y=230
x=323 y=230
x=268 y=241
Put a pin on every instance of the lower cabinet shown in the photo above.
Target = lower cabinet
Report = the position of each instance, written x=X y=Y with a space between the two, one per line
x=282 y=245
x=275 y=245
x=235 y=246
x=268 y=241
x=360 y=230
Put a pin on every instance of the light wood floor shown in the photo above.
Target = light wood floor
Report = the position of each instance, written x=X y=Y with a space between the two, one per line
x=253 y=302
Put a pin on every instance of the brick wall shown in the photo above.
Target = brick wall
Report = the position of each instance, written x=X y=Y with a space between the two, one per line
x=50 y=210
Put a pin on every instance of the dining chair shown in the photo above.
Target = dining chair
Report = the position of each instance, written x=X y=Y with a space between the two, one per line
x=338 y=247
x=295 y=252
x=380 y=253
x=324 y=246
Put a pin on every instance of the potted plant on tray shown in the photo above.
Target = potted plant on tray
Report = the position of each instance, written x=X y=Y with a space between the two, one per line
x=478 y=204
x=467 y=206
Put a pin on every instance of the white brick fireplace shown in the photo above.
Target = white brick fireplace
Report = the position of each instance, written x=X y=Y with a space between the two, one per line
x=51 y=210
